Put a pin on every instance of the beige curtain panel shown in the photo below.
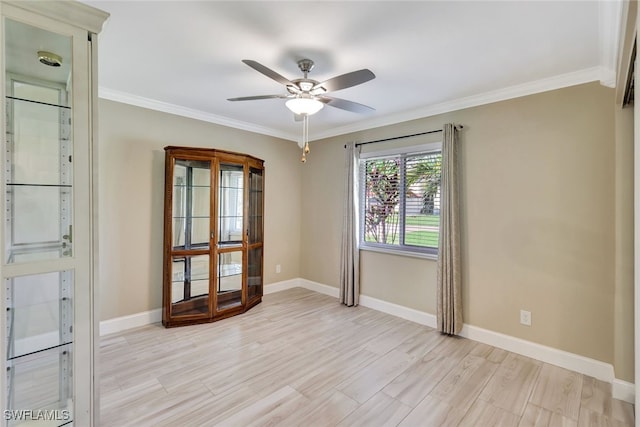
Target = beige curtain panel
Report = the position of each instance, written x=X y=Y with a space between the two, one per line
x=350 y=254
x=449 y=295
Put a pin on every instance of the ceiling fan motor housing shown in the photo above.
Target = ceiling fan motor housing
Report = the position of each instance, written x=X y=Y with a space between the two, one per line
x=305 y=66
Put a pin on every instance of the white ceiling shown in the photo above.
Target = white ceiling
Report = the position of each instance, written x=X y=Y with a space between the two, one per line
x=428 y=56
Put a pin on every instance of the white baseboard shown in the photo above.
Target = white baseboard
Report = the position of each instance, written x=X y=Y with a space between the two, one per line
x=623 y=390
x=603 y=371
x=399 y=311
x=281 y=286
x=319 y=287
x=575 y=362
x=123 y=323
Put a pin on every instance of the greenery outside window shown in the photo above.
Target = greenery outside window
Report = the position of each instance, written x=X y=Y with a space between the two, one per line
x=400 y=199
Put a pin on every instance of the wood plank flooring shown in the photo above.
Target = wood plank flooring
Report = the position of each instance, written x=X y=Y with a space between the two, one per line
x=302 y=359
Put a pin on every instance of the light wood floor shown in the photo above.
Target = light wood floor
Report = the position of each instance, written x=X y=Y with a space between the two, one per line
x=300 y=358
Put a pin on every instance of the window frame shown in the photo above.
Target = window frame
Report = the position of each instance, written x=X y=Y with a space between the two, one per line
x=400 y=249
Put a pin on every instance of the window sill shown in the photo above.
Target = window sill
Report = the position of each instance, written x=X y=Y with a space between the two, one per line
x=399 y=252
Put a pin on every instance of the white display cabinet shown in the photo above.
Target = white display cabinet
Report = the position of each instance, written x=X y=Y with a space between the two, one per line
x=49 y=234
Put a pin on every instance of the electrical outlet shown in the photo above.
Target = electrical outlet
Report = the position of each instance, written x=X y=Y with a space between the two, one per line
x=525 y=317
x=278 y=269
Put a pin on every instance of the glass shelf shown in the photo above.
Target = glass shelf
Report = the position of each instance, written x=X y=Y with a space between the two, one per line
x=40 y=338
x=12 y=184
x=229 y=279
x=230 y=244
x=14 y=98
x=190 y=285
x=38 y=173
x=230 y=270
x=39 y=312
x=42 y=381
x=33 y=353
x=29 y=253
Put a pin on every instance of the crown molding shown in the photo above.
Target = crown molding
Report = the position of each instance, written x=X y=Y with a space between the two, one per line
x=178 y=110
x=552 y=83
x=609 y=34
x=70 y=12
x=625 y=49
x=538 y=86
x=608 y=78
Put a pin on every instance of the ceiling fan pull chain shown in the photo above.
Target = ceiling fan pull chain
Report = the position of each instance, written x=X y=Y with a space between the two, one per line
x=305 y=137
x=306 y=134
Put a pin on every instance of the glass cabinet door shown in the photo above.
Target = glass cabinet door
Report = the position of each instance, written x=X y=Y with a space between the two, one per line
x=254 y=257
x=230 y=238
x=229 y=279
x=38 y=222
x=230 y=205
x=190 y=236
x=255 y=206
x=254 y=261
x=191 y=204
x=39 y=343
x=38 y=152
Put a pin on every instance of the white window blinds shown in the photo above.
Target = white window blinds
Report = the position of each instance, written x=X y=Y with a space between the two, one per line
x=400 y=201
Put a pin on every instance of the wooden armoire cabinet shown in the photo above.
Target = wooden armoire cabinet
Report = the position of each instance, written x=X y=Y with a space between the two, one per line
x=213 y=235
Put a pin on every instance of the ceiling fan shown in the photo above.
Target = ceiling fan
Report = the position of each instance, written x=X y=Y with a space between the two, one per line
x=307 y=96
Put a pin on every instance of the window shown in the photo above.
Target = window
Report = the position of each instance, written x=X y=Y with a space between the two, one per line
x=400 y=200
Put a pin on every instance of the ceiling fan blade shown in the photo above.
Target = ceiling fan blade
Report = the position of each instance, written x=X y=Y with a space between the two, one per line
x=343 y=104
x=344 y=81
x=267 y=72
x=253 y=98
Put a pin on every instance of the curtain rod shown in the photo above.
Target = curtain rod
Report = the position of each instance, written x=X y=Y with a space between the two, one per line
x=458 y=127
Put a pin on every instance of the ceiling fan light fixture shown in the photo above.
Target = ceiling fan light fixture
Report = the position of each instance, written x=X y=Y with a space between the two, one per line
x=304 y=106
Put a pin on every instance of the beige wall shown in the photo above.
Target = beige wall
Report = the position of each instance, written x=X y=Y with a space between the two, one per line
x=131 y=177
x=623 y=305
x=547 y=216
x=539 y=222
